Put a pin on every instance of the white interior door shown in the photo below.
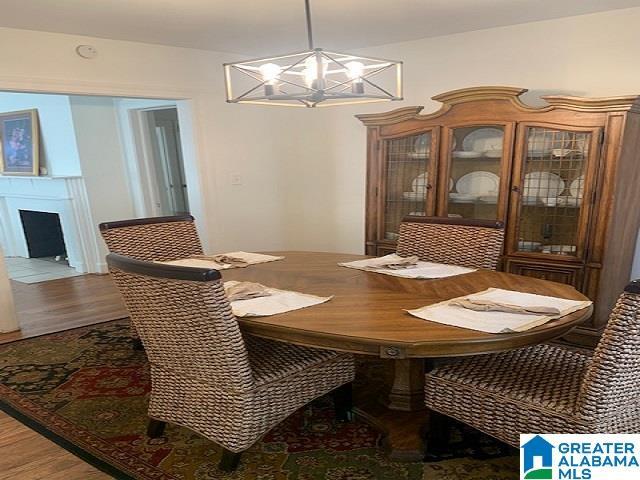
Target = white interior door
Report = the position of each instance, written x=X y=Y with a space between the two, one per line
x=168 y=163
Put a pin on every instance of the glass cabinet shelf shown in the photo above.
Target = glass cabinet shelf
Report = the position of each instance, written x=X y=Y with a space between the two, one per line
x=398 y=163
x=408 y=180
x=472 y=202
x=563 y=159
x=475 y=169
x=541 y=205
x=553 y=180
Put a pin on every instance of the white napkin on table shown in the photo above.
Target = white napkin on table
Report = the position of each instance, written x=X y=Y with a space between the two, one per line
x=208 y=261
x=418 y=270
x=498 y=321
x=245 y=291
x=400 y=263
x=277 y=301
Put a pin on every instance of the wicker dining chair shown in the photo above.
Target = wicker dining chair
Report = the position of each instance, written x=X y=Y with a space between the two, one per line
x=155 y=238
x=457 y=241
x=548 y=388
x=205 y=374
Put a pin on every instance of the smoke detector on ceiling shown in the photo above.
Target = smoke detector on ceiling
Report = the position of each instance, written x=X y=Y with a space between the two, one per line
x=87 y=51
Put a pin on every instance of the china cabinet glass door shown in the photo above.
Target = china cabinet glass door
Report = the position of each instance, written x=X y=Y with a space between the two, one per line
x=554 y=190
x=473 y=183
x=409 y=172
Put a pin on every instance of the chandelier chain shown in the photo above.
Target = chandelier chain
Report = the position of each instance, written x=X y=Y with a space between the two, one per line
x=307 y=8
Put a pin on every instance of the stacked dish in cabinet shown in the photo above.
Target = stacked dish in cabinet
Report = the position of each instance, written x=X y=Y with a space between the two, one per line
x=473 y=158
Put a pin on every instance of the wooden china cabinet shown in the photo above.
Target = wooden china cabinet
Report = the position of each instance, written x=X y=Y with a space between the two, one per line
x=565 y=179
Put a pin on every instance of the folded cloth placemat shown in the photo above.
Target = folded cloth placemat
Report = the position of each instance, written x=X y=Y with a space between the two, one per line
x=278 y=301
x=224 y=261
x=245 y=290
x=406 y=267
x=393 y=263
x=456 y=311
x=490 y=306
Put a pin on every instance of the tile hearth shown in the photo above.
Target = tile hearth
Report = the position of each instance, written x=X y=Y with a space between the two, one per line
x=36 y=270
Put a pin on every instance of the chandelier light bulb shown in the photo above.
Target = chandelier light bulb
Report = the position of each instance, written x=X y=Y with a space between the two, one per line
x=270 y=73
x=355 y=70
x=310 y=71
x=311 y=76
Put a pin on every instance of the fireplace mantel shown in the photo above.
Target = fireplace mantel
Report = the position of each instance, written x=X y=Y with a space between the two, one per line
x=64 y=195
x=41 y=177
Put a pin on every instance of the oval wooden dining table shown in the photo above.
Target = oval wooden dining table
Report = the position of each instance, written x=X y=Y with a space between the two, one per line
x=367 y=315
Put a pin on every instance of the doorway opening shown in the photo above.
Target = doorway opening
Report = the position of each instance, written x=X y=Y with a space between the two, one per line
x=164 y=160
x=98 y=159
x=87 y=170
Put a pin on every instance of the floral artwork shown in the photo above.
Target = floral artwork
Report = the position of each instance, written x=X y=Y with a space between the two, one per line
x=20 y=142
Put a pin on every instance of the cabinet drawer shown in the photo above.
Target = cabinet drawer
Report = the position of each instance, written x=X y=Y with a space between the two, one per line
x=569 y=274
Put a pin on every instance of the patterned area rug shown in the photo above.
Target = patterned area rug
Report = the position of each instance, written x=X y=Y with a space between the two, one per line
x=87 y=389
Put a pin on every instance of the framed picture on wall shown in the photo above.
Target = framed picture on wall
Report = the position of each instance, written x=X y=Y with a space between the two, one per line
x=19 y=142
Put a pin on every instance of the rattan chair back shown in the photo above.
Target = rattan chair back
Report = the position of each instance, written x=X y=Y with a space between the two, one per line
x=464 y=242
x=185 y=322
x=157 y=238
x=611 y=387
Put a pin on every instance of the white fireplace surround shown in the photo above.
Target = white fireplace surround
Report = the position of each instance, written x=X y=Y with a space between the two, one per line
x=66 y=196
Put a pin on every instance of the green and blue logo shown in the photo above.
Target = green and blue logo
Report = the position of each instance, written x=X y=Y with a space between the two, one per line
x=553 y=456
x=536 y=459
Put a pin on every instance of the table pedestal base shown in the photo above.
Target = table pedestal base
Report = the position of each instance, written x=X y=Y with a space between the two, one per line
x=392 y=402
x=403 y=433
x=407 y=389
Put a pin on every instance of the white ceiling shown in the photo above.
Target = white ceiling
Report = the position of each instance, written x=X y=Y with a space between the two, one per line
x=256 y=27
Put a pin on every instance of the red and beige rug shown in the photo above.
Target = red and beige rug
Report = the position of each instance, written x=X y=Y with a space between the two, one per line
x=87 y=390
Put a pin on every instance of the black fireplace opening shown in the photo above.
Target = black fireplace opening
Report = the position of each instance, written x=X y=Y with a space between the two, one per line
x=43 y=233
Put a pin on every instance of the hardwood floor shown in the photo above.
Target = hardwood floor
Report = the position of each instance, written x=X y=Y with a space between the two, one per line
x=44 y=308
x=26 y=455
x=62 y=304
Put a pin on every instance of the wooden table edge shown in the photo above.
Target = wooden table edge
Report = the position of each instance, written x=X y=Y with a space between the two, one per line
x=424 y=349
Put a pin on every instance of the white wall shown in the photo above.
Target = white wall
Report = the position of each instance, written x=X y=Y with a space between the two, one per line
x=591 y=55
x=59 y=154
x=228 y=139
x=102 y=159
